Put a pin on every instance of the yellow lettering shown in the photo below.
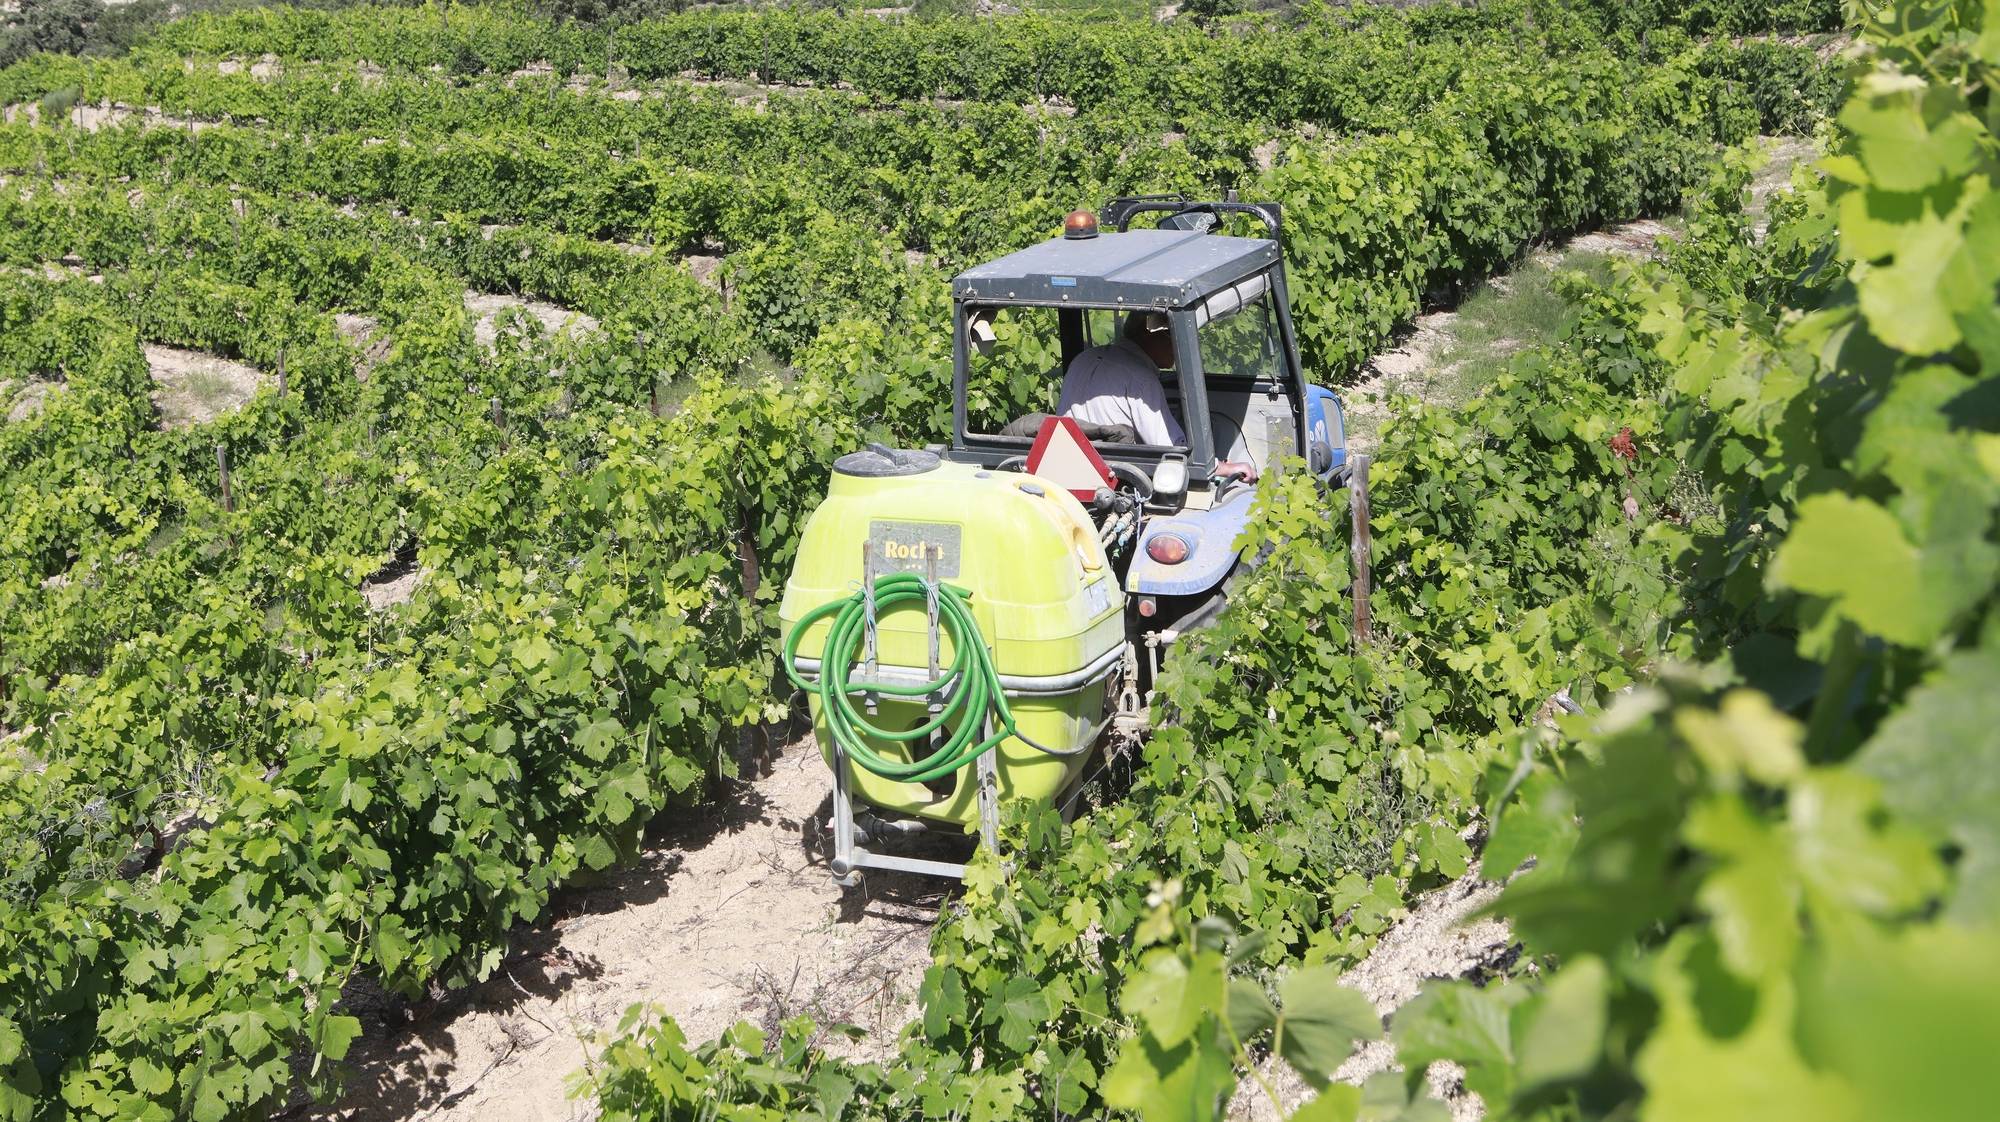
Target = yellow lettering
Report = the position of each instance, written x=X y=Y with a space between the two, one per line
x=893 y=550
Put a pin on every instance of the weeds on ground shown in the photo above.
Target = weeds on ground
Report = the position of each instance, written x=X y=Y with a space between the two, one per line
x=1522 y=311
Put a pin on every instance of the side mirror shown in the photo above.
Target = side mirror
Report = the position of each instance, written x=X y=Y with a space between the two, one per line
x=1170 y=480
x=980 y=328
x=1321 y=457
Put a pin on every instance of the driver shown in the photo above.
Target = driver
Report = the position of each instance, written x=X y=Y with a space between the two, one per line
x=1119 y=383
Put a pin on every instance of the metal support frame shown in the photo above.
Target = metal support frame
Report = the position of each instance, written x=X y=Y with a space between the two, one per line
x=851 y=854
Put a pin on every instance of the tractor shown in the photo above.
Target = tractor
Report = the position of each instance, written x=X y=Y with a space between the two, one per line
x=974 y=621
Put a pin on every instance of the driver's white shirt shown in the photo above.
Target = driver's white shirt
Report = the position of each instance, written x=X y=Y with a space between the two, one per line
x=1117 y=384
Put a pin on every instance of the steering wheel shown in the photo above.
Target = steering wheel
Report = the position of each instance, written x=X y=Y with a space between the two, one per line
x=1133 y=478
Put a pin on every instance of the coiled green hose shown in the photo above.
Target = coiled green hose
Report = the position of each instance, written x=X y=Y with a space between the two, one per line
x=971 y=688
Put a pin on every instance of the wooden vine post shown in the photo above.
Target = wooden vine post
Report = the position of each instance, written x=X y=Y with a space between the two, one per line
x=746 y=540
x=645 y=364
x=281 y=374
x=228 y=498
x=1357 y=509
x=222 y=469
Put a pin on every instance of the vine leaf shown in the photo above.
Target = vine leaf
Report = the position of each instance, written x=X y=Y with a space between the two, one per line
x=1939 y=765
x=1338 y=1102
x=1321 y=1021
x=1023 y=1009
x=1454 y=1021
x=1560 y=1034
x=1178 y=1084
x=336 y=1034
x=1854 y=553
x=1715 y=1063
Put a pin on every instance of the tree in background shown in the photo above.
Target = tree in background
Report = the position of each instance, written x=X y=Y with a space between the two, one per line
x=1205 y=12
x=61 y=26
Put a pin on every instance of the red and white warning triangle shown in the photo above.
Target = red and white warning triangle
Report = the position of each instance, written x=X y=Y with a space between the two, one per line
x=1065 y=458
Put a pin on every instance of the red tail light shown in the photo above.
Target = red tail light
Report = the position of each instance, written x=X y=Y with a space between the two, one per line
x=1167 y=549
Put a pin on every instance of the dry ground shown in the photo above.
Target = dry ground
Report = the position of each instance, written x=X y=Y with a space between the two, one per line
x=486 y=309
x=367 y=337
x=1442 y=937
x=191 y=387
x=387 y=589
x=729 y=916
x=27 y=400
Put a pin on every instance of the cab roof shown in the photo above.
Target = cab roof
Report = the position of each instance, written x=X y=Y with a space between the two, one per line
x=1146 y=268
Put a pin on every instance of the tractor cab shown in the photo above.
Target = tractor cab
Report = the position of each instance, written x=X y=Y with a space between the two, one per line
x=1213 y=310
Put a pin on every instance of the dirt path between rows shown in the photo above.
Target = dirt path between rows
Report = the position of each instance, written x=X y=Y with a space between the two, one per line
x=730 y=915
x=1423 y=360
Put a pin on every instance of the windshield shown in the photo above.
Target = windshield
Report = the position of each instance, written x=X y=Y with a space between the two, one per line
x=1251 y=410
x=1120 y=386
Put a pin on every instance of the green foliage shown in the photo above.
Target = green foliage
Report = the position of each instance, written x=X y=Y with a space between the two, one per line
x=381 y=794
x=1719 y=17
x=1791 y=88
x=353 y=792
x=1205 y=12
x=58 y=26
x=1763 y=890
x=1763 y=887
x=1379 y=224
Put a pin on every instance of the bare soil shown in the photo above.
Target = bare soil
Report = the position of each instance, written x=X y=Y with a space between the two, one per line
x=1787 y=153
x=729 y=916
x=1440 y=938
x=386 y=592
x=28 y=399
x=105 y=114
x=1632 y=239
x=365 y=333
x=193 y=387
x=555 y=319
x=702 y=267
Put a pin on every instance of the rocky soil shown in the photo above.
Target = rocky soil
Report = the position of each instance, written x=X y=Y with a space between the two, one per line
x=731 y=915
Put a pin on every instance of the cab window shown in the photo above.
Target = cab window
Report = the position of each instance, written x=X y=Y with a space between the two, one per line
x=1238 y=333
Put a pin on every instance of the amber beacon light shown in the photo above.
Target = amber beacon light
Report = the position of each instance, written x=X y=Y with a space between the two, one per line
x=1080 y=224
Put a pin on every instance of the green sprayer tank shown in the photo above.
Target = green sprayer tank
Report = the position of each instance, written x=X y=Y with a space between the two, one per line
x=1044 y=599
